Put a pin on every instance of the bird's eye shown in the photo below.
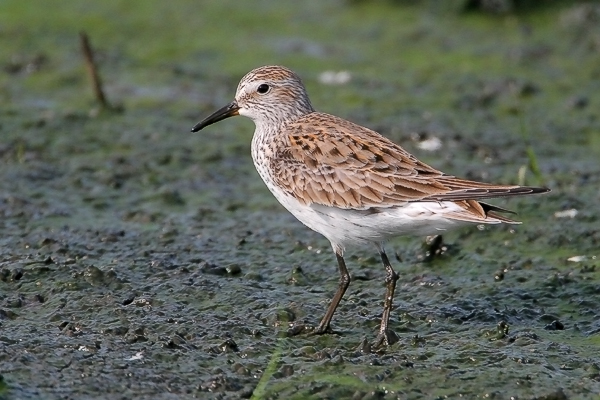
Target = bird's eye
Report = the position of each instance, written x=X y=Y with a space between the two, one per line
x=263 y=88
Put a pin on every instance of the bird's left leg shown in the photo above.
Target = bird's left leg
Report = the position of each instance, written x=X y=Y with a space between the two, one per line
x=387 y=337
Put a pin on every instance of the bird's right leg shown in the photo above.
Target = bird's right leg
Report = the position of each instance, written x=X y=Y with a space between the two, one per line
x=324 y=326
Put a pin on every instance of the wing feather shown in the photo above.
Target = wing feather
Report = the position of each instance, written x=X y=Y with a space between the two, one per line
x=327 y=160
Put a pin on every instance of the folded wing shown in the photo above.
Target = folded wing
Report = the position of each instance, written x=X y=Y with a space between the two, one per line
x=327 y=160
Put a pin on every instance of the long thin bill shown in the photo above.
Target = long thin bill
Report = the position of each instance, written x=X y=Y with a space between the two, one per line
x=229 y=110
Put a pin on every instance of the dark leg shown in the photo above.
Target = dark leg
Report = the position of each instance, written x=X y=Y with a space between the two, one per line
x=387 y=337
x=344 y=282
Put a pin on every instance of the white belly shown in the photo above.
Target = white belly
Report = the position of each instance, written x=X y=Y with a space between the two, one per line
x=351 y=227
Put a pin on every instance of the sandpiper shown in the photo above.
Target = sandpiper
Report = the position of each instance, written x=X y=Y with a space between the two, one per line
x=349 y=183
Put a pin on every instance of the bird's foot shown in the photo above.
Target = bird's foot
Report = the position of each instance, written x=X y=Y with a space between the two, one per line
x=385 y=338
x=322 y=330
x=301 y=328
x=298 y=329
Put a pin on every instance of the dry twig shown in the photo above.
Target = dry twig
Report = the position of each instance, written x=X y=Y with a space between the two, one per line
x=90 y=65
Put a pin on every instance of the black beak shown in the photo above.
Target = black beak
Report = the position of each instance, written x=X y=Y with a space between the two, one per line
x=229 y=110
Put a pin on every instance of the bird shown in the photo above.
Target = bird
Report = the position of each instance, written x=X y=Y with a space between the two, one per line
x=349 y=183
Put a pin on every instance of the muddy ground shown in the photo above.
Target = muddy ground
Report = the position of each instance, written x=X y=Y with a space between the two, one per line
x=138 y=260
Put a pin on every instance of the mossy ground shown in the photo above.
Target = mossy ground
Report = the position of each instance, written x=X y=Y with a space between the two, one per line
x=138 y=260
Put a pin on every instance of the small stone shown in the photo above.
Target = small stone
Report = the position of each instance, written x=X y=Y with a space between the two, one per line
x=555 y=326
x=129 y=299
x=233 y=269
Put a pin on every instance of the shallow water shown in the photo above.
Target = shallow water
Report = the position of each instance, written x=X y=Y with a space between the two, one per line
x=139 y=260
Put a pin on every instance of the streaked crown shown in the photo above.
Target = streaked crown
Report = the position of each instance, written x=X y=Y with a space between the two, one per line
x=272 y=95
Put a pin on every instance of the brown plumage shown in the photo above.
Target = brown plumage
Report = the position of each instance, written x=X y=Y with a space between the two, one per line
x=323 y=159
